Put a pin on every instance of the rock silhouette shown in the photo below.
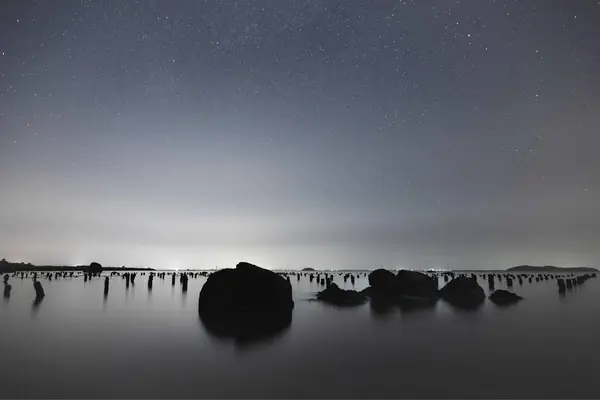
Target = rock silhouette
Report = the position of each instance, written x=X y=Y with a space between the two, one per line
x=463 y=292
x=246 y=303
x=408 y=289
x=340 y=297
x=7 y=289
x=95 y=268
x=384 y=281
x=504 y=298
x=412 y=283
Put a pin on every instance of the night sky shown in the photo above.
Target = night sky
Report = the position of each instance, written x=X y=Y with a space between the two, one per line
x=294 y=133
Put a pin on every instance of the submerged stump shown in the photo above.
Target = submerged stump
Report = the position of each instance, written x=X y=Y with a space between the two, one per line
x=39 y=290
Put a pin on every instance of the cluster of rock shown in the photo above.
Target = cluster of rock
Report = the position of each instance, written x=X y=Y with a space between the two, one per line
x=414 y=289
x=247 y=303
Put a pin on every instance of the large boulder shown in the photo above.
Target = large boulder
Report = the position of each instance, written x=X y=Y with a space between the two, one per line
x=417 y=284
x=504 y=298
x=383 y=281
x=340 y=297
x=406 y=287
x=463 y=292
x=247 y=303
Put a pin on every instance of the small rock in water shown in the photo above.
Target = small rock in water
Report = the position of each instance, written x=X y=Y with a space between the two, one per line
x=504 y=297
x=463 y=292
x=340 y=297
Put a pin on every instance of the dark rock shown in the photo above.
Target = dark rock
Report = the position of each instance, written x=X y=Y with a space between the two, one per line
x=7 y=289
x=95 y=268
x=340 y=297
x=245 y=304
x=504 y=298
x=417 y=284
x=382 y=280
x=406 y=289
x=463 y=292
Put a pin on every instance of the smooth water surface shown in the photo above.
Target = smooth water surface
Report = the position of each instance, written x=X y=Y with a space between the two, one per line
x=141 y=343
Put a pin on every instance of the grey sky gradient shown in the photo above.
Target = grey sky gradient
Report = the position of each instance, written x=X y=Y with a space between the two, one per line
x=331 y=134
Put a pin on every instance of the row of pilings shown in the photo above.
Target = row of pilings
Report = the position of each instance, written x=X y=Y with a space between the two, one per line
x=129 y=278
x=565 y=281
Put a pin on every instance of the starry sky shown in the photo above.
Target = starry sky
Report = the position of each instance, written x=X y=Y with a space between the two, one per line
x=294 y=133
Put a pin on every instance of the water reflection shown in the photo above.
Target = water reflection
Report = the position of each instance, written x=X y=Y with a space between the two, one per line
x=183 y=297
x=412 y=307
x=36 y=304
x=246 y=328
x=463 y=305
x=7 y=290
x=562 y=296
x=381 y=310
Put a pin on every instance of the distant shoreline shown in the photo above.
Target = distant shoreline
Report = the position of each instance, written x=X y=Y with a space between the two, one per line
x=8 y=267
x=550 y=268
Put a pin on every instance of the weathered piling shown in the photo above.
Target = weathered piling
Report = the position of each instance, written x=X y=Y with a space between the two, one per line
x=106 y=283
x=7 y=289
x=39 y=290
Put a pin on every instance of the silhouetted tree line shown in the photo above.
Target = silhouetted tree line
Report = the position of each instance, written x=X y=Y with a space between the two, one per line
x=8 y=267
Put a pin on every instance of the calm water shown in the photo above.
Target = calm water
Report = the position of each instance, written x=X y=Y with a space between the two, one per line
x=137 y=343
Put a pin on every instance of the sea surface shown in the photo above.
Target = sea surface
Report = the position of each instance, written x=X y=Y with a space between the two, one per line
x=141 y=343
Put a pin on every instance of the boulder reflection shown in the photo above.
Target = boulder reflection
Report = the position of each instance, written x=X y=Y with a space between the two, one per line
x=245 y=328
